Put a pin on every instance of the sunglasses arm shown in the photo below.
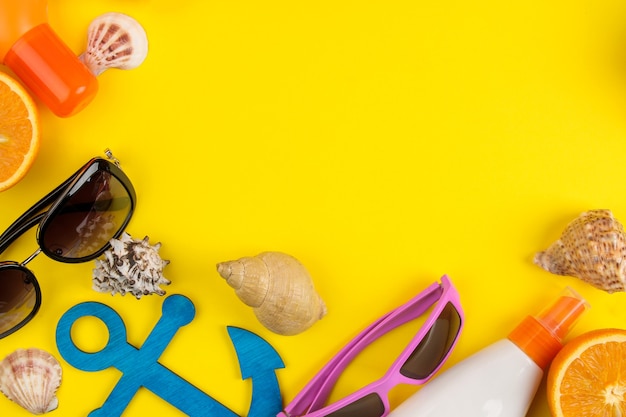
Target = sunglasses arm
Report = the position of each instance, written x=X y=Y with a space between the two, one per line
x=7 y=240
x=314 y=395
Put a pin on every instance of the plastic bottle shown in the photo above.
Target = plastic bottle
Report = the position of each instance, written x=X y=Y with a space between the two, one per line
x=46 y=65
x=500 y=380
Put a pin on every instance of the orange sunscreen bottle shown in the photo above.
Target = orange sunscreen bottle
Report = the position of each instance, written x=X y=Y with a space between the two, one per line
x=46 y=65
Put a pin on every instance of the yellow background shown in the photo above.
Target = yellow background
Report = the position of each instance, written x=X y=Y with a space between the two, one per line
x=382 y=144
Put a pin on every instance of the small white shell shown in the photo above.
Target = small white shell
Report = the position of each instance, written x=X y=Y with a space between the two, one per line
x=130 y=266
x=30 y=378
x=114 y=40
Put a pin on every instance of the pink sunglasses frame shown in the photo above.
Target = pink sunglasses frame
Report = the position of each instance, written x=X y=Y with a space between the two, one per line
x=310 y=400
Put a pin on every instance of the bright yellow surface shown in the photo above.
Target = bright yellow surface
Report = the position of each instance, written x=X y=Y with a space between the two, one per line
x=382 y=144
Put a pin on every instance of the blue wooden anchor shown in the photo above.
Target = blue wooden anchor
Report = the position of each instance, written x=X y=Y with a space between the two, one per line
x=140 y=367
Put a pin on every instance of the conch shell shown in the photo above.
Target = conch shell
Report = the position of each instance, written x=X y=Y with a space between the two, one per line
x=592 y=248
x=114 y=40
x=30 y=378
x=278 y=288
x=131 y=266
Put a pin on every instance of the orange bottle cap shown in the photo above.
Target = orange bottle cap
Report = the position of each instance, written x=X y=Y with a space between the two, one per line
x=541 y=337
x=52 y=71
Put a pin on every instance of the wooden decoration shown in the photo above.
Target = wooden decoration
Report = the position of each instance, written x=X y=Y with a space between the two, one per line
x=140 y=367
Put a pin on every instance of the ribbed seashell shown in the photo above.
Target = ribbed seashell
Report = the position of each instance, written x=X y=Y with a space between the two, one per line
x=30 y=378
x=593 y=248
x=130 y=266
x=114 y=40
x=278 y=288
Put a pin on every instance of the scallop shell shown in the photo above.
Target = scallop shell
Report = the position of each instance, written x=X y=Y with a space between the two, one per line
x=131 y=266
x=30 y=378
x=592 y=248
x=114 y=40
x=278 y=288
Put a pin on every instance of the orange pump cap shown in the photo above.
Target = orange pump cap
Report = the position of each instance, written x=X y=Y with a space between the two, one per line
x=541 y=337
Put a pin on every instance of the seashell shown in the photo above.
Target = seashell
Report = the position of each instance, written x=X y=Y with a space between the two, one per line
x=114 y=40
x=278 y=288
x=30 y=378
x=130 y=266
x=592 y=248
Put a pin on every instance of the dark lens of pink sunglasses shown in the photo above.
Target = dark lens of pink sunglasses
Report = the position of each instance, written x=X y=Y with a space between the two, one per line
x=423 y=361
x=434 y=347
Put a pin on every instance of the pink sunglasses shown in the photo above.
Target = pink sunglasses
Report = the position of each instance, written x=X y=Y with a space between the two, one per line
x=417 y=363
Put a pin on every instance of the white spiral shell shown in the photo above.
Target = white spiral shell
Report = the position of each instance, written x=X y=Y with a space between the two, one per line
x=131 y=266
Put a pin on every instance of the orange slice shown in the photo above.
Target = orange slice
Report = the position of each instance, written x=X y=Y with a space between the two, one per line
x=19 y=131
x=587 y=378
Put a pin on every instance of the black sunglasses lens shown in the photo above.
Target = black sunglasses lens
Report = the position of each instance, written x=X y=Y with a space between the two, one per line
x=18 y=298
x=431 y=351
x=369 y=406
x=89 y=218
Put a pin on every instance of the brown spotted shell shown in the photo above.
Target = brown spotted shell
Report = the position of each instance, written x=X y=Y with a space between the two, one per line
x=593 y=248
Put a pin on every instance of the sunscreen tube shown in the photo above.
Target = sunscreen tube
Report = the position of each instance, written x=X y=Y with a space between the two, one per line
x=500 y=380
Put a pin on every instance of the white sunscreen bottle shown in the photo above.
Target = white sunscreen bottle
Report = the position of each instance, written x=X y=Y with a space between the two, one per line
x=500 y=380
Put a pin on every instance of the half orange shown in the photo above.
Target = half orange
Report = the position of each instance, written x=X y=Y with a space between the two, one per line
x=587 y=378
x=19 y=131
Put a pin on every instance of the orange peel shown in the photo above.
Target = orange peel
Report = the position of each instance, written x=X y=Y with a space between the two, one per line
x=19 y=131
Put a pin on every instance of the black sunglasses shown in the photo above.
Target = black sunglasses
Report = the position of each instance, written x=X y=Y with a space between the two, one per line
x=76 y=222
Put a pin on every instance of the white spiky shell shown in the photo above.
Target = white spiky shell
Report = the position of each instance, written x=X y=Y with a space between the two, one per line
x=30 y=378
x=593 y=248
x=131 y=266
x=114 y=40
x=278 y=288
